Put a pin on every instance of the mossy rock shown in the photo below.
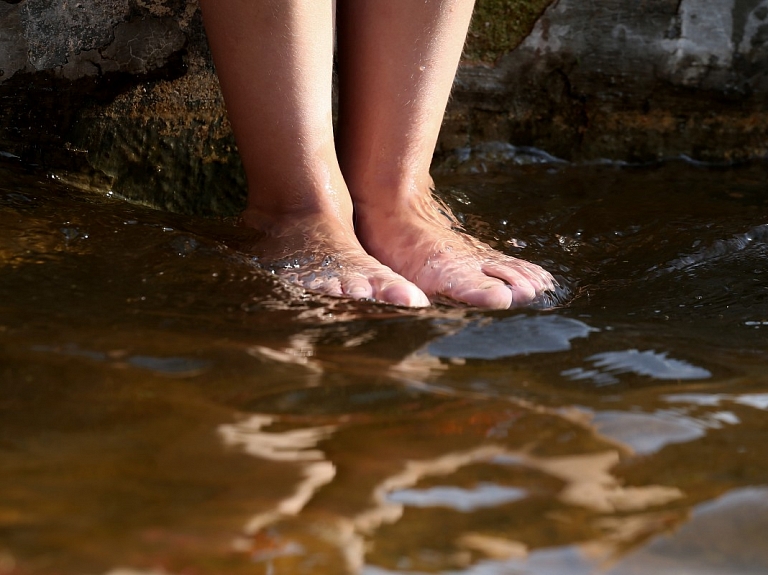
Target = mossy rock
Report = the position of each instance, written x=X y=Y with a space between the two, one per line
x=498 y=26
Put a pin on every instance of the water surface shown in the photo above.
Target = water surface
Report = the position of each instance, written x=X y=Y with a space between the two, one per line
x=168 y=407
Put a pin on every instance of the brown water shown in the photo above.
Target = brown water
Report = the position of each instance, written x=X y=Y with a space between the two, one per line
x=167 y=407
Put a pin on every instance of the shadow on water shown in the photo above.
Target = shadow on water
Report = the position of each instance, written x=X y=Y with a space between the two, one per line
x=167 y=407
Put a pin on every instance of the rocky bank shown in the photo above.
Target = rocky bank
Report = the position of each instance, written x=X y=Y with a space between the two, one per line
x=122 y=95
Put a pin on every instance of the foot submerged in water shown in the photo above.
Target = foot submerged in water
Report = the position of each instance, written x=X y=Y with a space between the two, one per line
x=424 y=243
x=322 y=256
x=410 y=256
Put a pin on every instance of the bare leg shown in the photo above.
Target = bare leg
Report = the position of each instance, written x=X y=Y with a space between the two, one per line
x=274 y=61
x=397 y=63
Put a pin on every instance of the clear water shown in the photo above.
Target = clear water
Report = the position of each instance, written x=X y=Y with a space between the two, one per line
x=166 y=407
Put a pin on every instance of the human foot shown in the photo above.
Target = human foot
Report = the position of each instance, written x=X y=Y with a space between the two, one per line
x=423 y=242
x=321 y=254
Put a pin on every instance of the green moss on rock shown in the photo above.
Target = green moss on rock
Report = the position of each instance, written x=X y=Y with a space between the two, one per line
x=498 y=26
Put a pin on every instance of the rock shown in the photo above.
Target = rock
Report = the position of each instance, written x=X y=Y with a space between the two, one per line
x=627 y=80
x=119 y=95
x=122 y=95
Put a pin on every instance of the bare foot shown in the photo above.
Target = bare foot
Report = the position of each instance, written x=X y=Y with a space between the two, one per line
x=424 y=243
x=321 y=254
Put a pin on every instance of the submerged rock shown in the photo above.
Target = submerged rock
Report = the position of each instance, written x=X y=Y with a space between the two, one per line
x=121 y=94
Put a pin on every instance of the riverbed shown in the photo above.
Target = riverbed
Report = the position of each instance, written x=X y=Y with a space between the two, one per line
x=168 y=407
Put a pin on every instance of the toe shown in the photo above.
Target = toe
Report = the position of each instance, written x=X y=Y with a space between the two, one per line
x=523 y=274
x=482 y=291
x=402 y=293
x=539 y=277
x=358 y=288
x=315 y=283
x=522 y=294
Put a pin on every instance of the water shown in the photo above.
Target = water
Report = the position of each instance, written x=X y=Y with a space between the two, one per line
x=166 y=407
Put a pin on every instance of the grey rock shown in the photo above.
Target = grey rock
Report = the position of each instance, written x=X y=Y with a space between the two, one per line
x=629 y=80
x=13 y=50
x=55 y=31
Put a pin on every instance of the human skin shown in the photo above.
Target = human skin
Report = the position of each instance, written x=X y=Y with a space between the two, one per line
x=353 y=215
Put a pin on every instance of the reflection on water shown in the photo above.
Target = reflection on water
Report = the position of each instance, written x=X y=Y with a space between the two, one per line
x=510 y=336
x=167 y=408
x=650 y=363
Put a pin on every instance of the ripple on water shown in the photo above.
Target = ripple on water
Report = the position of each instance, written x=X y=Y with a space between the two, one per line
x=457 y=498
x=511 y=336
x=647 y=363
x=726 y=535
x=756 y=400
x=172 y=366
x=542 y=477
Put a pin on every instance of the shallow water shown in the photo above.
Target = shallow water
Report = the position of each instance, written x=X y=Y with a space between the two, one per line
x=166 y=407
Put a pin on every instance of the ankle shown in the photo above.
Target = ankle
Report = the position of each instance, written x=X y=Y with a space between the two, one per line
x=389 y=189
x=267 y=209
x=267 y=219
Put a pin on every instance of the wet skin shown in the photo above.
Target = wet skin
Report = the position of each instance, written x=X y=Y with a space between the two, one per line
x=424 y=242
x=320 y=253
x=403 y=256
x=352 y=204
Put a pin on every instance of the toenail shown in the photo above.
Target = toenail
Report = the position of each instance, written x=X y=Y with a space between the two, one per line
x=358 y=292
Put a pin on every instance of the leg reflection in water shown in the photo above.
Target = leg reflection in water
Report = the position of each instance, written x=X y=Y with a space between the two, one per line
x=353 y=214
